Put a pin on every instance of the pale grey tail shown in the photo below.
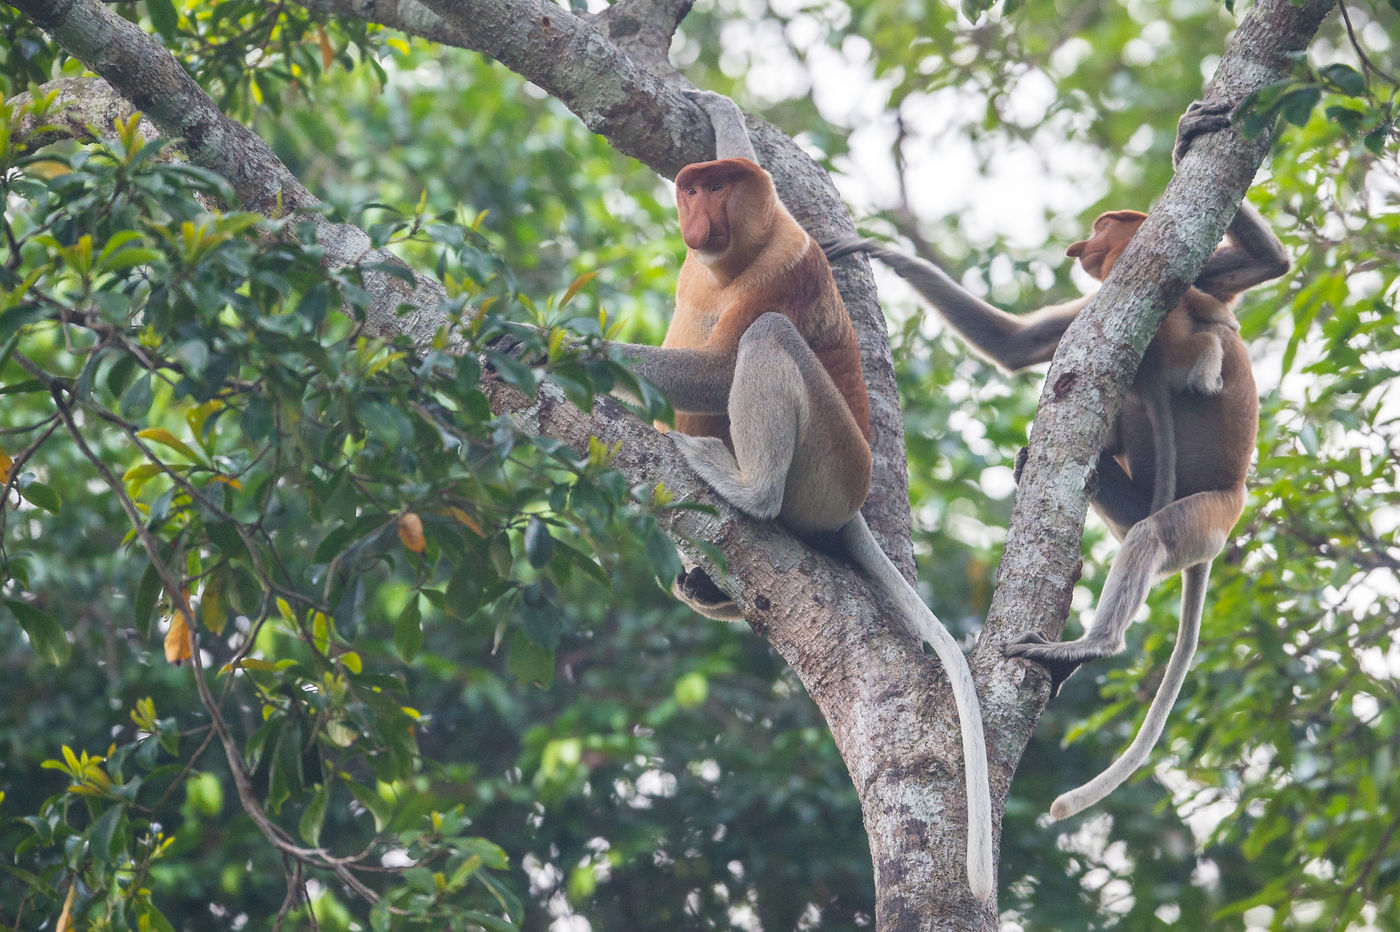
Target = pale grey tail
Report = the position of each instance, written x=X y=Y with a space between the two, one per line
x=1193 y=596
x=866 y=552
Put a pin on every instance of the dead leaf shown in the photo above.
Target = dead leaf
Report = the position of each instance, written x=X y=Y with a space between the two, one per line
x=65 y=918
x=178 y=640
x=411 y=532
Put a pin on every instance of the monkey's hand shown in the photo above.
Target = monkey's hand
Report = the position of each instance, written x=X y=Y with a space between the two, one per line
x=1059 y=658
x=1201 y=117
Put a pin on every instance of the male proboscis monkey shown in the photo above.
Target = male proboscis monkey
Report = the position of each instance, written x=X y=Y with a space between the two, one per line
x=762 y=367
x=1171 y=481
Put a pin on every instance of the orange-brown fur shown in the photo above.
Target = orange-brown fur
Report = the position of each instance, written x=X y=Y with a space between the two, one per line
x=789 y=275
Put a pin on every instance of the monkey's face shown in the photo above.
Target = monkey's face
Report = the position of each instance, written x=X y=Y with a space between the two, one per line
x=704 y=218
x=1111 y=234
x=710 y=200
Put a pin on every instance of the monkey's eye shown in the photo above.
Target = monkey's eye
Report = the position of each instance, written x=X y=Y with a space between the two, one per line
x=717 y=186
x=690 y=191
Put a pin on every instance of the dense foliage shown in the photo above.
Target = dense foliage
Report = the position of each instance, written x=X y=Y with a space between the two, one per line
x=434 y=666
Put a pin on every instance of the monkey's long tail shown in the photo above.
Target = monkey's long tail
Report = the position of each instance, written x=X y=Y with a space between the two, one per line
x=866 y=552
x=1193 y=596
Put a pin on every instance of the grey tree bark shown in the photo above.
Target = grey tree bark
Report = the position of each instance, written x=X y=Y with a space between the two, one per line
x=888 y=705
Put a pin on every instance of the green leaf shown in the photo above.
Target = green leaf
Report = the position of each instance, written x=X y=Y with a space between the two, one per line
x=313 y=816
x=408 y=630
x=147 y=591
x=101 y=833
x=1376 y=139
x=45 y=634
x=539 y=546
x=1297 y=106
x=1348 y=80
x=530 y=663
x=27 y=385
x=43 y=496
x=372 y=801
x=163 y=17
x=396 y=269
x=661 y=556
x=136 y=400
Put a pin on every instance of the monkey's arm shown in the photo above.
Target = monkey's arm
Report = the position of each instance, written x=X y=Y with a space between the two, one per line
x=731 y=138
x=693 y=380
x=1254 y=255
x=1011 y=341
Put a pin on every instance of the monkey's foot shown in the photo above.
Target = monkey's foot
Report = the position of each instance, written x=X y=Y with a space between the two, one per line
x=696 y=589
x=1059 y=658
x=713 y=462
x=1201 y=117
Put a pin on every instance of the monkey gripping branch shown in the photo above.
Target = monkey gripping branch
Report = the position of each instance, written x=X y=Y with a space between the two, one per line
x=888 y=706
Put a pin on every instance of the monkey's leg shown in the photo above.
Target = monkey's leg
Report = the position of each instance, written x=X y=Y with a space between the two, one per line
x=1188 y=531
x=769 y=401
x=1193 y=596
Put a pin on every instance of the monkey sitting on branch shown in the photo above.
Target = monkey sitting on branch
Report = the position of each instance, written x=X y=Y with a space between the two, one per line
x=1171 y=481
x=762 y=368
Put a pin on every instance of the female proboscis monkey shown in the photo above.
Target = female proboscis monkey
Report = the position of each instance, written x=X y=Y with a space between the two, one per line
x=761 y=364
x=1171 y=482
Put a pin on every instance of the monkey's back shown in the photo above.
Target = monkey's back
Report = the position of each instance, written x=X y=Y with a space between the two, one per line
x=1215 y=434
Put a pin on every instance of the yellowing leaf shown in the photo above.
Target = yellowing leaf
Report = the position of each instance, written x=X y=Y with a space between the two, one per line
x=178 y=640
x=197 y=417
x=463 y=518
x=226 y=480
x=213 y=612
x=65 y=918
x=411 y=532
x=327 y=52
x=142 y=472
x=163 y=436
x=5 y=465
x=577 y=286
x=397 y=44
x=352 y=661
x=249 y=663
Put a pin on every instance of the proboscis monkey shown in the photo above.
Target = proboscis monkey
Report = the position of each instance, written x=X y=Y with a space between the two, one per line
x=762 y=367
x=1171 y=482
